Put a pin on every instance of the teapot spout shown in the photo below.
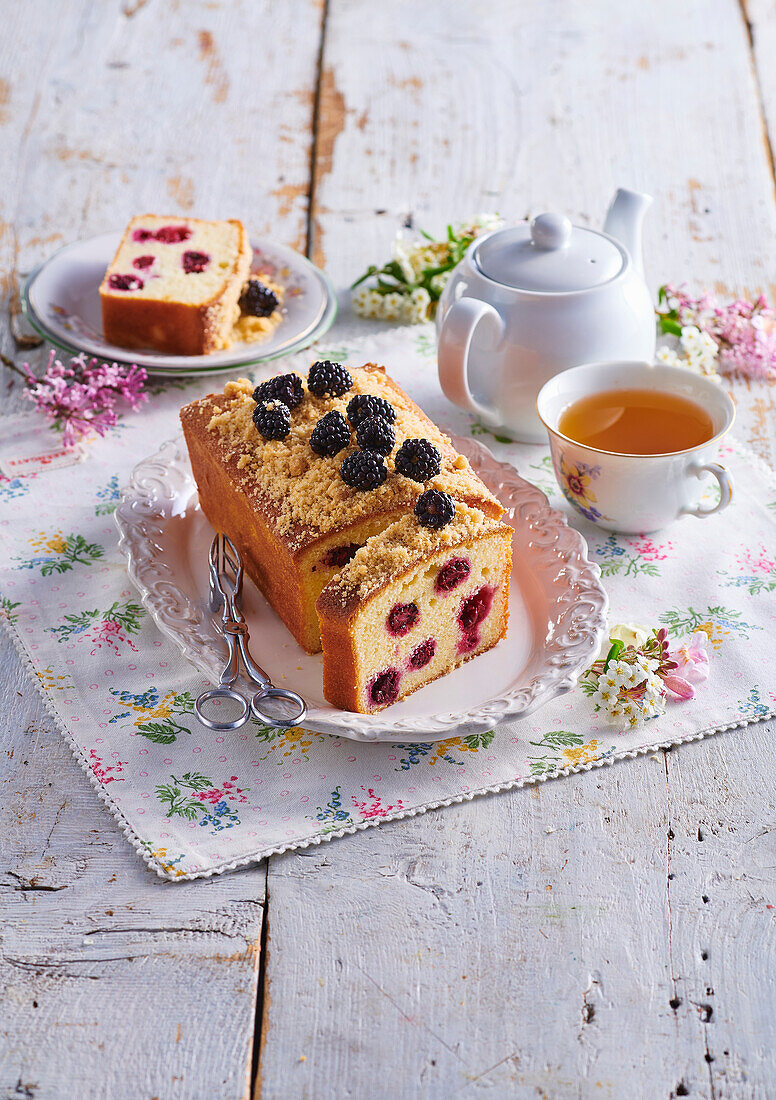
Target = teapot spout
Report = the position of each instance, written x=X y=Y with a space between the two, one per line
x=624 y=220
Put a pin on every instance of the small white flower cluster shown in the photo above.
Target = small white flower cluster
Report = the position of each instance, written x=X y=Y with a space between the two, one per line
x=407 y=309
x=615 y=684
x=416 y=256
x=699 y=352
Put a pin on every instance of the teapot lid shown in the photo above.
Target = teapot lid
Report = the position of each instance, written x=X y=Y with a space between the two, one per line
x=549 y=256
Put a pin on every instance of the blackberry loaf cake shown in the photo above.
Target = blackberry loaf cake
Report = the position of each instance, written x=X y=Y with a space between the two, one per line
x=175 y=284
x=414 y=603
x=301 y=474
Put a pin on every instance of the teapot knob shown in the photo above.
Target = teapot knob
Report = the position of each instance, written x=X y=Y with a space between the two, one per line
x=550 y=231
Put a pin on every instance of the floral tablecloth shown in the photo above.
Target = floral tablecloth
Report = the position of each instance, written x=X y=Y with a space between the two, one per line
x=194 y=802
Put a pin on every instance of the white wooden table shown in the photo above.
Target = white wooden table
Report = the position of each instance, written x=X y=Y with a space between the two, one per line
x=612 y=934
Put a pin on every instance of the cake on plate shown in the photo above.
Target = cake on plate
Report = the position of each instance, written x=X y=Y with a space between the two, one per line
x=175 y=284
x=414 y=603
x=323 y=476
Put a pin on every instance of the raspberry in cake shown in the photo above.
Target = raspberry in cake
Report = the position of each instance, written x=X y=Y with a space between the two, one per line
x=174 y=284
x=413 y=604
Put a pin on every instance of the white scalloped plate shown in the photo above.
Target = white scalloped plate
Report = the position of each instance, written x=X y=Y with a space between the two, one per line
x=557 y=607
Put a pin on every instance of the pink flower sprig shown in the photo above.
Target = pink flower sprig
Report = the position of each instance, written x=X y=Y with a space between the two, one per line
x=83 y=396
x=745 y=332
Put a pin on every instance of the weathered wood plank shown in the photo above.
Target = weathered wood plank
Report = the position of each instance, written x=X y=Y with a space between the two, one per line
x=440 y=111
x=553 y=941
x=113 y=983
x=761 y=30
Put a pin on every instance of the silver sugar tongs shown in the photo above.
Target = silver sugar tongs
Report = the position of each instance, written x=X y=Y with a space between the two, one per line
x=226 y=577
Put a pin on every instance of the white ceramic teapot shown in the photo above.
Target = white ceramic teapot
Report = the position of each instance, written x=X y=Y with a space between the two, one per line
x=532 y=300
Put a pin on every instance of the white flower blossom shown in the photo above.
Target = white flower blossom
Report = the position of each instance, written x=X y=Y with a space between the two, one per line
x=367 y=302
x=393 y=307
x=417 y=305
x=699 y=352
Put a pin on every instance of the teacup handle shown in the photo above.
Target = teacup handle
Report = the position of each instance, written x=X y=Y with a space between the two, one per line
x=458 y=328
x=725 y=489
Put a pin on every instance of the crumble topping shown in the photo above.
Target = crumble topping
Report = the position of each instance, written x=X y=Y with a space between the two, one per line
x=402 y=545
x=304 y=493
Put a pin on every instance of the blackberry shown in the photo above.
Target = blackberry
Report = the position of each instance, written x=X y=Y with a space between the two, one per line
x=363 y=470
x=257 y=299
x=329 y=378
x=434 y=509
x=375 y=434
x=330 y=434
x=285 y=387
x=418 y=459
x=272 y=419
x=366 y=404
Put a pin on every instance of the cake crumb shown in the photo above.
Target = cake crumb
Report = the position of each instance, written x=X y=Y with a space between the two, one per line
x=460 y=463
x=237 y=387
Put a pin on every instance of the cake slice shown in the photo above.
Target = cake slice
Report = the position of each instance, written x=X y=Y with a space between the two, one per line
x=174 y=284
x=412 y=605
x=286 y=506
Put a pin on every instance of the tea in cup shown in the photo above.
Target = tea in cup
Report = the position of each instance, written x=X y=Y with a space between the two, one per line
x=633 y=443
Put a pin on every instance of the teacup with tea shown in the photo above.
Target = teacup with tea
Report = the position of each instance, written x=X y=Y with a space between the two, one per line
x=633 y=444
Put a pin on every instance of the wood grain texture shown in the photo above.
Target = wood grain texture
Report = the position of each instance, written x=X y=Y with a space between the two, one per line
x=608 y=935
x=551 y=942
x=114 y=984
x=452 y=109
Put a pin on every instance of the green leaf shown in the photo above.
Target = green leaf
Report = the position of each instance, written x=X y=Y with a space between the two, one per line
x=544 y=765
x=614 y=653
x=158 y=732
x=562 y=737
x=183 y=703
x=370 y=271
x=669 y=325
x=196 y=781
x=479 y=740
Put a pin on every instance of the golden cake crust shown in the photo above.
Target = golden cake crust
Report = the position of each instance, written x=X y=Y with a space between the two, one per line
x=178 y=328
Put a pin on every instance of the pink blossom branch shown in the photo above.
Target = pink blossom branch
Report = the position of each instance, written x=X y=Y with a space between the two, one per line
x=82 y=397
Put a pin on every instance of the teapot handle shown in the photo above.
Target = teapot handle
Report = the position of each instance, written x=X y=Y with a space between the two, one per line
x=458 y=328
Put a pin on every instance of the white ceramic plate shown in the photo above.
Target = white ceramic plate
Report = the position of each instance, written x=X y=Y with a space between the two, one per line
x=61 y=299
x=557 y=607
